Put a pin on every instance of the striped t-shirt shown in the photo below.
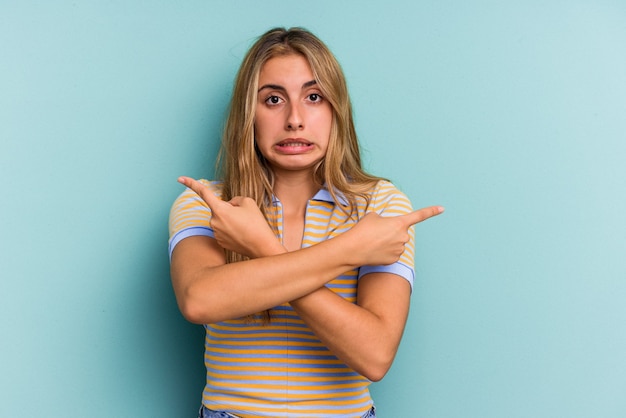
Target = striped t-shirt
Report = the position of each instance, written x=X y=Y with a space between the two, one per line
x=282 y=369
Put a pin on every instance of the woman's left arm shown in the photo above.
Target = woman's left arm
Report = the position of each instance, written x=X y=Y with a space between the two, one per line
x=365 y=335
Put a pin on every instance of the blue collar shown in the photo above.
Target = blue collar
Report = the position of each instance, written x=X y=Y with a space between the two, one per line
x=324 y=195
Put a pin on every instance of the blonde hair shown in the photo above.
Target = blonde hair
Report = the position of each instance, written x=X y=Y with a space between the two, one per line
x=241 y=166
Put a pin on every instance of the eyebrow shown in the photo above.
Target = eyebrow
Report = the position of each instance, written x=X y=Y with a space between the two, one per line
x=281 y=88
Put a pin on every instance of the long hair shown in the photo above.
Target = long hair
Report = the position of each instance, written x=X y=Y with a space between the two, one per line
x=241 y=166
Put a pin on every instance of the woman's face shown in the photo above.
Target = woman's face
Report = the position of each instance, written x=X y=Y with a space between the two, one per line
x=292 y=119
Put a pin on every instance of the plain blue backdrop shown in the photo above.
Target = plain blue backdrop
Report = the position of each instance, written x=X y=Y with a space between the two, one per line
x=510 y=114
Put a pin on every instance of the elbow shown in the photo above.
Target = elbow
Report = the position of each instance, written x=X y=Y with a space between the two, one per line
x=377 y=368
x=192 y=312
x=196 y=310
x=376 y=373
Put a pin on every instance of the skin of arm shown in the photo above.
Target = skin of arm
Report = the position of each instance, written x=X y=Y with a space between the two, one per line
x=209 y=291
x=365 y=336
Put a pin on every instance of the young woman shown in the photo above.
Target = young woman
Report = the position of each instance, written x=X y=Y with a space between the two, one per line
x=298 y=262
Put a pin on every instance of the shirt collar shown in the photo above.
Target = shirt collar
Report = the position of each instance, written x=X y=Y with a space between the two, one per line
x=323 y=195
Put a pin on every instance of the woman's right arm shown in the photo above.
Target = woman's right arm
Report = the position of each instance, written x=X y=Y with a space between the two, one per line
x=208 y=290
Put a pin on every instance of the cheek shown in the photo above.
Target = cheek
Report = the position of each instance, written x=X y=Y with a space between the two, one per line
x=264 y=124
x=325 y=123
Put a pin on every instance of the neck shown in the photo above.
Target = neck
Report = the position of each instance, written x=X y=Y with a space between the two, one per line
x=294 y=191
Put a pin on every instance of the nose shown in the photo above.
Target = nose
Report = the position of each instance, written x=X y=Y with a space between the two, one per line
x=295 y=119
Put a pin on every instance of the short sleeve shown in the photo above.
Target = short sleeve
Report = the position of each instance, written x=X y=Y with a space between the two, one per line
x=190 y=216
x=387 y=200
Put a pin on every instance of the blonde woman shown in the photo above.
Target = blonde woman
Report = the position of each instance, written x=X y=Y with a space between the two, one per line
x=298 y=263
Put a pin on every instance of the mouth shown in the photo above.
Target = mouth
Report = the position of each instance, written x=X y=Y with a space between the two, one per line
x=294 y=146
x=294 y=142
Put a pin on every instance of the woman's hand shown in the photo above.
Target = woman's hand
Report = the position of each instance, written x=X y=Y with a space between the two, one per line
x=381 y=240
x=238 y=224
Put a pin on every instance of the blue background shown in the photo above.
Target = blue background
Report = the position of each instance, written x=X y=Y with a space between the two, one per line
x=510 y=115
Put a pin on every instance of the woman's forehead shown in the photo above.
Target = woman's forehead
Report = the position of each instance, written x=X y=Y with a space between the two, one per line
x=293 y=68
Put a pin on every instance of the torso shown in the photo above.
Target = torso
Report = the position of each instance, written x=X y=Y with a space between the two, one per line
x=282 y=369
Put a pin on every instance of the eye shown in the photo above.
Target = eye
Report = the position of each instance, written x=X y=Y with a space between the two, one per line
x=315 y=97
x=273 y=100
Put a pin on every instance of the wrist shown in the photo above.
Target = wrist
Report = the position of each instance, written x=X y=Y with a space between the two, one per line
x=272 y=248
x=349 y=251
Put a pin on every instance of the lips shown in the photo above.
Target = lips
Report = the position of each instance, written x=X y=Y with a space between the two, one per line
x=294 y=146
x=294 y=142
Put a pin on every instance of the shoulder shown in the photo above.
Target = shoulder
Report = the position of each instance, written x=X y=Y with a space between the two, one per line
x=190 y=215
x=385 y=187
x=385 y=196
x=188 y=205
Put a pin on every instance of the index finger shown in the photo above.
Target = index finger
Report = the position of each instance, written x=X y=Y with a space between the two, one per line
x=201 y=190
x=422 y=214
